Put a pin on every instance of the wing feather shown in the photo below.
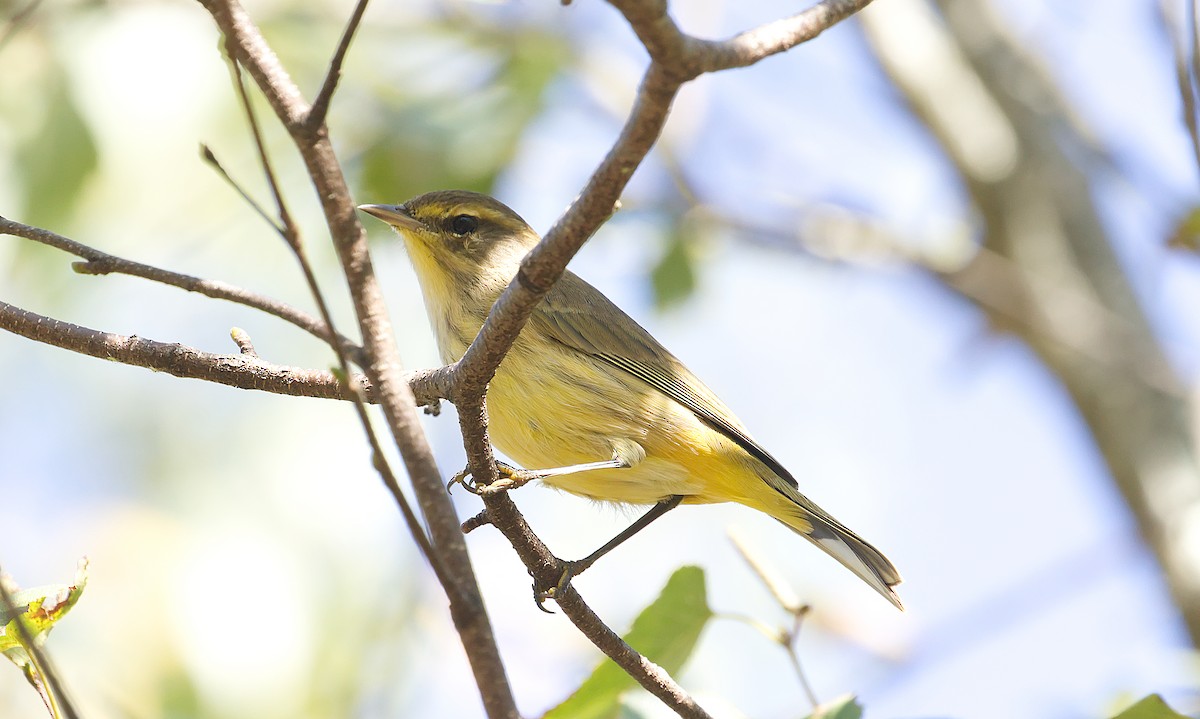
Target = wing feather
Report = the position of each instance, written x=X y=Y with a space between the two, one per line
x=580 y=317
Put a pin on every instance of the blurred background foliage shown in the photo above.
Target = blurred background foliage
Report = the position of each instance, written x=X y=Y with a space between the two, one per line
x=808 y=237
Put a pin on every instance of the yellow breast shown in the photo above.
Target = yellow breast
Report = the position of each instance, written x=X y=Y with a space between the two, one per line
x=567 y=409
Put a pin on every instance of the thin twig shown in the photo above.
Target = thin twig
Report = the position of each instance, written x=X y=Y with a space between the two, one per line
x=770 y=578
x=285 y=227
x=676 y=58
x=383 y=366
x=787 y=600
x=1184 y=48
x=320 y=106
x=102 y=263
x=15 y=22
x=241 y=371
x=547 y=570
x=243 y=341
x=211 y=158
x=773 y=38
x=290 y=233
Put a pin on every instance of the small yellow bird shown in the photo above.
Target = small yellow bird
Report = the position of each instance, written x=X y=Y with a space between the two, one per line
x=588 y=394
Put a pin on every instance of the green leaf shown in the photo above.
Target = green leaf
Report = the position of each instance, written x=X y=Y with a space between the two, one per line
x=1151 y=707
x=56 y=161
x=665 y=632
x=1187 y=232
x=846 y=707
x=38 y=609
x=674 y=277
x=465 y=136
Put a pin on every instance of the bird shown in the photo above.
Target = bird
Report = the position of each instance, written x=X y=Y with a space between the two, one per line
x=588 y=400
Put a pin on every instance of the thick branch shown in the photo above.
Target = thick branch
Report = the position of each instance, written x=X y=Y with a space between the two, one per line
x=596 y=202
x=671 y=66
x=383 y=366
x=547 y=261
x=1037 y=213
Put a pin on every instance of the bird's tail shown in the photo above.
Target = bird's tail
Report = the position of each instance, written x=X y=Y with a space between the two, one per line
x=854 y=552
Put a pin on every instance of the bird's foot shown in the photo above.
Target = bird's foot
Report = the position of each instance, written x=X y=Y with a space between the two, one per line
x=510 y=477
x=569 y=571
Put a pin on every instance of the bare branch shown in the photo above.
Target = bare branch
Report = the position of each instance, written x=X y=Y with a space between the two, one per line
x=243 y=341
x=547 y=570
x=211 y=158
x=773 y=38
x=320 y=106
x=102 y=263
x=16 y=21
x=671 y=66
x=546 y=262
x=241 y=371
x=1184 y=68
x=383 y=365
x=676 y=58
x=689 y=57
x=291 y=235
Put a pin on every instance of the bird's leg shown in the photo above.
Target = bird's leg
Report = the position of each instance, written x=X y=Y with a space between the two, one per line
x=626 y=453
x=512 y=478
x=577 y=567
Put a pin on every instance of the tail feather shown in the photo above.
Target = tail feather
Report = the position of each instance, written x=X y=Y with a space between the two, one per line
x=857 y=555
x=854 y=552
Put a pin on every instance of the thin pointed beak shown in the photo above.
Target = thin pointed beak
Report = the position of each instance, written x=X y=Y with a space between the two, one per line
x=395 y=215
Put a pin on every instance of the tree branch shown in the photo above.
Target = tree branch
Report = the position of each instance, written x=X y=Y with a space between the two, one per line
x=290 y=233
x=102 y=263
x=383 y=365
x=320 y=106
x=241 y=371
x=1038 y=214
x=546 y=570
x=676 y=58
x=773 y=38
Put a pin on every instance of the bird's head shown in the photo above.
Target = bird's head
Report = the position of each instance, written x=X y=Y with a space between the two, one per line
x=459 y=237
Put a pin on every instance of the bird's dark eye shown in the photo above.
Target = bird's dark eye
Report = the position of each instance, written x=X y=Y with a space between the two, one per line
x=464 y=225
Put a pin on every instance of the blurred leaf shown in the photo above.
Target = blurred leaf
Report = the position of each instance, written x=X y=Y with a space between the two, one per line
x=674 y=277
x=462 y=136
x=56 y=161
x=1151 y=707
x=628 y=712
x=39 y=609
x=846 y=707
x=1187 y=233
x=665 y=632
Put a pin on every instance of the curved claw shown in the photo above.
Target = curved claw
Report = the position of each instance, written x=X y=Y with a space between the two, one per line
x=541 y=595
x=461 y=478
